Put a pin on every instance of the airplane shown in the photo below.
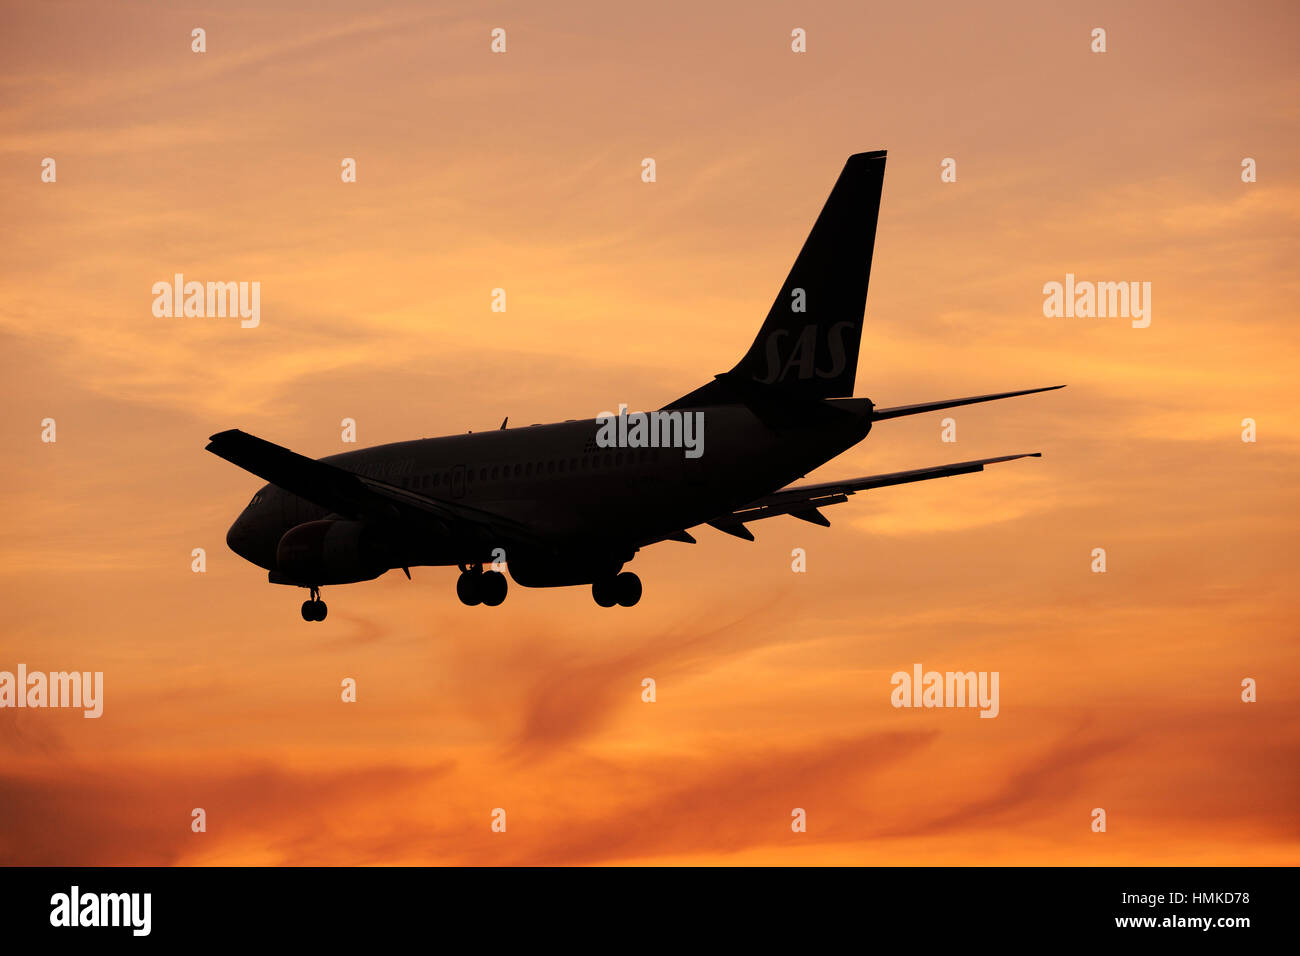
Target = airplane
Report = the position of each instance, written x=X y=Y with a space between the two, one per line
x=556 y=505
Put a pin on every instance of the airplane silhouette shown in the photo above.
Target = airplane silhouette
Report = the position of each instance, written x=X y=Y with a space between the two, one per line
x=555 y=504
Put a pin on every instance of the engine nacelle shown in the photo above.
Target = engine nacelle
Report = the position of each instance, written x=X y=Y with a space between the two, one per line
x=330 y=551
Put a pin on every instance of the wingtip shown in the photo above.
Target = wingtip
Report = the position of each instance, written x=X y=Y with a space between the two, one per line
x=215 y=442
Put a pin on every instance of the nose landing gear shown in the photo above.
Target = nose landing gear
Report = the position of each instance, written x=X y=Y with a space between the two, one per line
x=314 y=609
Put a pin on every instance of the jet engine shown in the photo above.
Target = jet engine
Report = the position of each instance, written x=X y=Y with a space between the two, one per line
x=331 y=551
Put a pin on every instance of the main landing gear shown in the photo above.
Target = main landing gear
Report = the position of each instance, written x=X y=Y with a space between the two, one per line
x=314 y=609
x=476 y=586
x=623 y=589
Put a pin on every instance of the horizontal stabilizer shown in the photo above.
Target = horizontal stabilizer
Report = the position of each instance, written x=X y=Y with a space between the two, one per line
x=898 y=411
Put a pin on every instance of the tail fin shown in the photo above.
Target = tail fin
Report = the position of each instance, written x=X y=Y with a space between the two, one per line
x=808 y=346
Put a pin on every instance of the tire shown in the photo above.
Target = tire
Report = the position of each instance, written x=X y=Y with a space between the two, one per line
x=308 y=611
x=492 y=586
x=628 y=588
x=605 y=592
x=467 y=588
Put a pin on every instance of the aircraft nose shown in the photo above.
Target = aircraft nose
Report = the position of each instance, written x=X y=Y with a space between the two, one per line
x=253 y=541
x=239 y=538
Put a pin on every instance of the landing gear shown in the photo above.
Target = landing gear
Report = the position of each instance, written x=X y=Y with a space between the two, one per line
x=314 y=609
x=476 y=586
x=467 y=588
x=623 y=589
x=492 y=586
x=605 y=591
x=629 y=589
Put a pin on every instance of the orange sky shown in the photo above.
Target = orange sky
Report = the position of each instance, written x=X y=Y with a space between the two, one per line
x=522 y=171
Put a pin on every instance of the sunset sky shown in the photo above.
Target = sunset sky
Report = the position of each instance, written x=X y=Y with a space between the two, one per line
x=522 y=171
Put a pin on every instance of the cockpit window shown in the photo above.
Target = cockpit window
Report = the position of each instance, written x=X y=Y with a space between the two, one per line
x=257 y=499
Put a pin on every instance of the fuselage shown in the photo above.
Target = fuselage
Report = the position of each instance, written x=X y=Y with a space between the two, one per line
x=571 y=491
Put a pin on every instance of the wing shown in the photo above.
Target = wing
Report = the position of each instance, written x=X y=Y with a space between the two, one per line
x=802 y=501
x=353 y=495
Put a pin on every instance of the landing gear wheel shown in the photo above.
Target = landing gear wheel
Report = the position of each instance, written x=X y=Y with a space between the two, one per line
x=469 y=589
x=628 y=588
x=605 y=592
x=314 y=609
x=492 y=587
